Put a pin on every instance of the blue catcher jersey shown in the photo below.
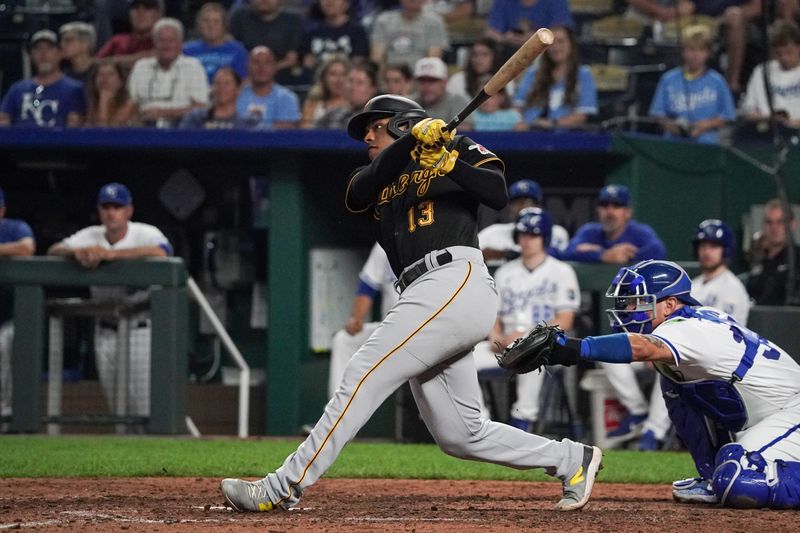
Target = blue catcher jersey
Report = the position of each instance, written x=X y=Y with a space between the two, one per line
x=709 y=344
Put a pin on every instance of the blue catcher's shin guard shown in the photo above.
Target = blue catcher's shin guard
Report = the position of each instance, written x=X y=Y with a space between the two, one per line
x=744 y=480
x=736 y=482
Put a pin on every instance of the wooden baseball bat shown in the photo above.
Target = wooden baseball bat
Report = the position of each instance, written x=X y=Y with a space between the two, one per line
x=522 y=58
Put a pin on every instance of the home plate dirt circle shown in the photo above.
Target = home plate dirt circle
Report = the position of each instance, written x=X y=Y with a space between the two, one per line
x=333 y=505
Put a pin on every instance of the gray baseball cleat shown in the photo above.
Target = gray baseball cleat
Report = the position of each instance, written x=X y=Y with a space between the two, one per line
x=246 y=495
x=578 y=488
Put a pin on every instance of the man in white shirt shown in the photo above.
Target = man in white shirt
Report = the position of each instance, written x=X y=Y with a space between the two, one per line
x=717 y=286
x=497 y=241
x=118 y=238
x=376 y=278
x=533 y=288
x=783 y=73
x=167 y=86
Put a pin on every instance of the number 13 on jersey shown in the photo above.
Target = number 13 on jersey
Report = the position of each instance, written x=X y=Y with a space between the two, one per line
x=420 y=215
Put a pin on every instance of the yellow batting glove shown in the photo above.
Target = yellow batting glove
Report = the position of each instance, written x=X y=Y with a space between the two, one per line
x=432 y=132
x=426 y=155
x=446 y=162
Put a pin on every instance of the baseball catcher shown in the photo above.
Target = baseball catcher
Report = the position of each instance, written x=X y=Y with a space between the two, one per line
x=733 y=396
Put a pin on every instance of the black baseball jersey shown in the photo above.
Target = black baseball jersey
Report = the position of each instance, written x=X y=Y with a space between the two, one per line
x=418 y=210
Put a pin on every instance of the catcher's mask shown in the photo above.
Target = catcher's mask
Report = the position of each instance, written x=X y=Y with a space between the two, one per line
x=403 y=114
x=636 y=290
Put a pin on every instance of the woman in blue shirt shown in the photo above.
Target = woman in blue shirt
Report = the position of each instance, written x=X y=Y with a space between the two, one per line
x=693 y=101
x=557 y=91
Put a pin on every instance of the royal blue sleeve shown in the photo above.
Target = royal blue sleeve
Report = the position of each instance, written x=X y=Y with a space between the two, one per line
x=240 y=60
x=365 y=289
x=585 y=234
x=648 y=243
x=561 y=15
x=498 y=18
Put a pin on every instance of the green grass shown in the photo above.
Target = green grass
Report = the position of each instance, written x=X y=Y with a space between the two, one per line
x=42 y=456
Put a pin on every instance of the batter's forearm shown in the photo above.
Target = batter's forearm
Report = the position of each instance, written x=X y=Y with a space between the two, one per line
x=486 y=184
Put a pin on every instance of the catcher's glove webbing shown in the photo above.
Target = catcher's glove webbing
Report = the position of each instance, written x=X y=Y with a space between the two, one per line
x=544 y=345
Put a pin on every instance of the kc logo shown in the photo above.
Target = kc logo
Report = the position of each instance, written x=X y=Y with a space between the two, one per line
x=34 y=108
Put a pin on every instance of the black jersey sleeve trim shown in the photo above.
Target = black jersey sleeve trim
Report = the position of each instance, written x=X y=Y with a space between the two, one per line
x=490 y=159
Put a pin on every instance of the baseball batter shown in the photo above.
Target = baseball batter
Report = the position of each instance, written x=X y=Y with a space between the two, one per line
x=423 y=189
x=733 y=395
x=534 y=288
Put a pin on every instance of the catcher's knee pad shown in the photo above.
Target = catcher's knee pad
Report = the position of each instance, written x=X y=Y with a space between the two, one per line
x=745 y=480
x=737 y=482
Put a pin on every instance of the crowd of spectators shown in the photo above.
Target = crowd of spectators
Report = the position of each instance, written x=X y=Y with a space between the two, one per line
x=312 y=63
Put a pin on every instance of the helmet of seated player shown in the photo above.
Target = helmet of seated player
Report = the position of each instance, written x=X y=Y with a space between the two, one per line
x=635 y=291
x=526 y=189
x=534 y=221
x=718 y=232
x=404 y=113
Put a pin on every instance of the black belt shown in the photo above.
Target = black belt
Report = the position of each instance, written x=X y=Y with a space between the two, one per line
x=410 y=275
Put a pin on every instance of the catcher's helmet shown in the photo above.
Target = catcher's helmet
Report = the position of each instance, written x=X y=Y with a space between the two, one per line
x=403 y=112
x=716 y=231
x=534 y=221
x=638 y=288
x=525 y=189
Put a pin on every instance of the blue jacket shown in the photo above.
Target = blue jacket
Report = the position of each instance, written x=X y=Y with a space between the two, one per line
x=640 y=235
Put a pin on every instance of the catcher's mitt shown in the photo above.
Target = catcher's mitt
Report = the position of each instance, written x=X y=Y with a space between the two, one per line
x=532 y=351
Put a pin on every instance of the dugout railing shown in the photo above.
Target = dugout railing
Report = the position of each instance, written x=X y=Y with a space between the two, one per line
x=170 y=289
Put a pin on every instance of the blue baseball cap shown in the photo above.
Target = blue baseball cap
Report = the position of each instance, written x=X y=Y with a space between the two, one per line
x=2 y=198
x=615 y=194
x=525 y=189
x=114 y=193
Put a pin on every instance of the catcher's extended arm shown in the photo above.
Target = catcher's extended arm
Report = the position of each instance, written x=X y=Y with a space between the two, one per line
x=544 y=345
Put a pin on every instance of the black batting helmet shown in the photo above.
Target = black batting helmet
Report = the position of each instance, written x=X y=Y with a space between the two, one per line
x=403 y=112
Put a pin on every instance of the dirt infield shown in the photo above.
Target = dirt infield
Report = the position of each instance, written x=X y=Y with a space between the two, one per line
x=333 y=505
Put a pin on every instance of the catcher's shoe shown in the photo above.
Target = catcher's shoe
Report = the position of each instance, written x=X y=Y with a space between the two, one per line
x=578 y=488
x=693 y=490
x=246 y=495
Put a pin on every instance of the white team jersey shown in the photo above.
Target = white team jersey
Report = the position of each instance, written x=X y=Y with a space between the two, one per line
x=529 y=297
x=706 y=347
x=501 y=237
x=724 y=292
x=785 y=86
x=137 y=236
x=377 y=273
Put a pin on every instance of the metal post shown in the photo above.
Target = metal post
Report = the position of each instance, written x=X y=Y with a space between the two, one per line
x=26 y=359
x=121 y=372
x=56 y=372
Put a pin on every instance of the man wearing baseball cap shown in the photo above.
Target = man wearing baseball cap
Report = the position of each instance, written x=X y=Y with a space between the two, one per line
x=497 y=241
x=616 y=238
x=127 y=48
x=16 y=240
x=117 y=237
x=49 y=99
x=619 y=239
x=430 y=76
